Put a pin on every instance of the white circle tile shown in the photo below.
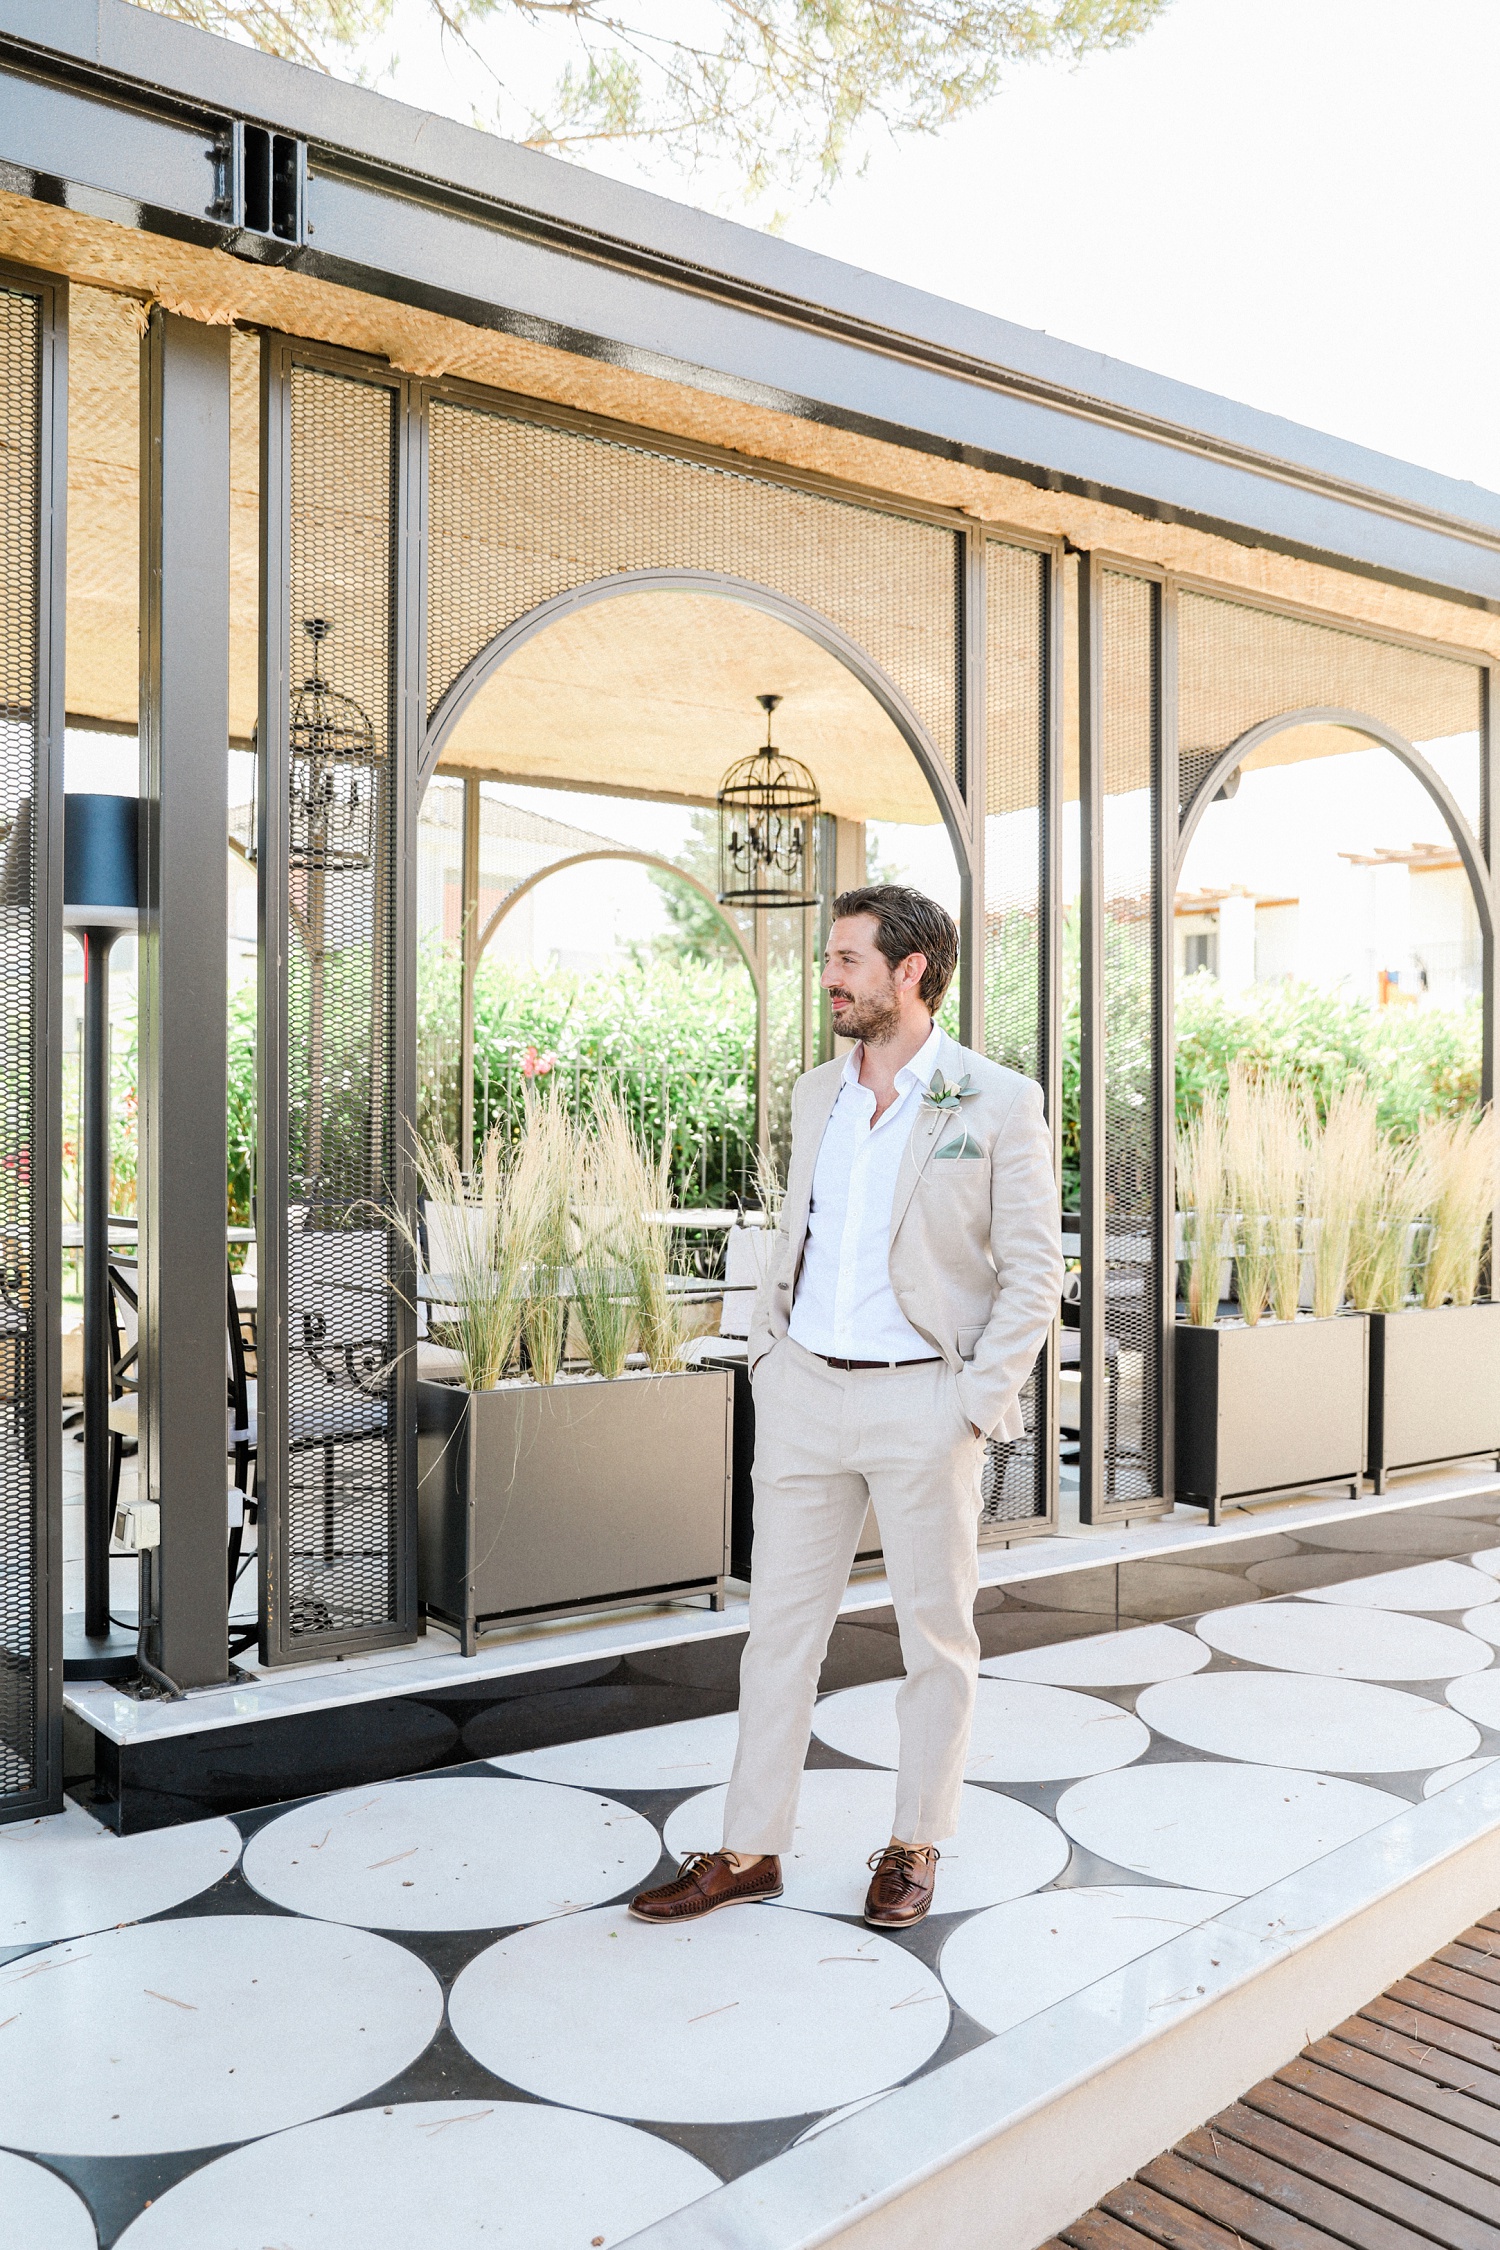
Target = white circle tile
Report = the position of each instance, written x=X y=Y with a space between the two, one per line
x=752 y=2012
x=1220 y=1827
x=463 y=2174
x=1478 y=1698
x=1286 y=1719
x=1000 y=1850
x=1446 y=1776
x=65 y=1875
x=38 y=2211
x=1128 y=1659
x=1487 y=1560
x=1344 y=1644
x=457 y=1852
x=1485 y=1623
x=1021 y=1732
x=1012 y=1962
x=689 y=1754
x=1394 y=1531
x=1433 y=1585
x=175 y=2035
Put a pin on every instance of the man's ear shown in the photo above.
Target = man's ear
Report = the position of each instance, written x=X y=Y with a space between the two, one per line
x=912 y=971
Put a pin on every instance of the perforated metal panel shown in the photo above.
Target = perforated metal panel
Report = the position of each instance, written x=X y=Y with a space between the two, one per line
x=23 y=1137
x=338 y=1543
x=1127 y=1256
x=518 y=513
x=1238 y=665
x=1017 y=907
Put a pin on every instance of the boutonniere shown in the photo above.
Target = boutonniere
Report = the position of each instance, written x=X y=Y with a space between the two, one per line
x=940 y=1095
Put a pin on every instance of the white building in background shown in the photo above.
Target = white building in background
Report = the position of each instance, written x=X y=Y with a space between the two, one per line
x=1395 y=926
x=1335 y=872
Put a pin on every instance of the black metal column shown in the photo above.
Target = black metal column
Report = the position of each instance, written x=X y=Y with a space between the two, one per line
x=97 y=945
x=184 y=825
x=33 y=488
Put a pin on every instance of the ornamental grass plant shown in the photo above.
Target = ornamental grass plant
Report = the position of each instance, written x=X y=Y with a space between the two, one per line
x=480 y=1255
x=1462 y=1160
x=1248 y=1162
x=1203 y=1195
x=1391 y=1207
x=541 y=1220
x=1344 y=1152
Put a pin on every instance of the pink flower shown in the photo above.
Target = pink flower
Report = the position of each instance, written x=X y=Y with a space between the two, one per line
x=534 y=1065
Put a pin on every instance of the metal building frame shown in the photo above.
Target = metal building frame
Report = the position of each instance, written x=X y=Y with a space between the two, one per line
x=110 y=114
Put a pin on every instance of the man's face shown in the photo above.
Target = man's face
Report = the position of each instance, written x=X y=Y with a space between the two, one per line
x=864 y=991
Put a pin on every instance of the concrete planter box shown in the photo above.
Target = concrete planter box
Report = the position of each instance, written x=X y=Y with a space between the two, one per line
x=1434 y=1387
x=1269 y=1408
x=534 y=1499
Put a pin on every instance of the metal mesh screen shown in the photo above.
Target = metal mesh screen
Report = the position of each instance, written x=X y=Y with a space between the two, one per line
x=21 y=968
x=344 y=1453
x=1130 y=765
x=1238 y=665
x=1016 y=998
x=519 y=512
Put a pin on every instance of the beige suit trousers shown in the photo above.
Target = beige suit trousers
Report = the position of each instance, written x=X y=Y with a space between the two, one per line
x=827 y=1441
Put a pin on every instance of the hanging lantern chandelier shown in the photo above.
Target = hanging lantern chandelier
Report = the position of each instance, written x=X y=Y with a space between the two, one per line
x=334 y=786
x=768 y=828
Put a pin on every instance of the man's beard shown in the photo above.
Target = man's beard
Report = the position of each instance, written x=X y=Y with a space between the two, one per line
x=874 y=1019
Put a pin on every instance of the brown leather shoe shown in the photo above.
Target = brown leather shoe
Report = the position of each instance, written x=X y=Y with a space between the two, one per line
x=902 y=1890
x=704 y=1881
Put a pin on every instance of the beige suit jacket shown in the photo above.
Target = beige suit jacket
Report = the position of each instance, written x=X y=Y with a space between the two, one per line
x=976 y=1241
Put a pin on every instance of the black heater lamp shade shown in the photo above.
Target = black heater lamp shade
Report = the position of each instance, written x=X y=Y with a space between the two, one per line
x=768 y=828
x=100 y=862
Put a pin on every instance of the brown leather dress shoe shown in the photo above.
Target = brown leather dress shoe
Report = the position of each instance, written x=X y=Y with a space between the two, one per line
x=902 y=1890
x=705 y=1881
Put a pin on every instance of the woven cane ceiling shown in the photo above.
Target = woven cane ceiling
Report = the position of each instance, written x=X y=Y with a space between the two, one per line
x=656 y=692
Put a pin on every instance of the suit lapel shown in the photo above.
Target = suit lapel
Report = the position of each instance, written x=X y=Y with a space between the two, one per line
x=923 y=1138
x=805 y=1157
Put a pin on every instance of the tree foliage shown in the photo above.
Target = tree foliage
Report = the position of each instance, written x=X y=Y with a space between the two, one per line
x=782 y=90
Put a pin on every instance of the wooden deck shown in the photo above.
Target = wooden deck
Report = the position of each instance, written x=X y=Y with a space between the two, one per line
x=1383 y=2136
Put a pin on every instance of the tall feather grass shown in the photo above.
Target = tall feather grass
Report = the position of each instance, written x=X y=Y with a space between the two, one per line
x=1203 y=1194
x=1462 y=1158
x=540 y=1215
x=1250 y=1189
x=1345 y=1153
x=1391 y=1206
x=482 y=1256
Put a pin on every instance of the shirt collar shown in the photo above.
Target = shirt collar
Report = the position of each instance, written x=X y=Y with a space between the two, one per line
x=918 y=1072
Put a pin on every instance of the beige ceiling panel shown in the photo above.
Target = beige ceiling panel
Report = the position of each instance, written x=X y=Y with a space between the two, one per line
x=656 y=693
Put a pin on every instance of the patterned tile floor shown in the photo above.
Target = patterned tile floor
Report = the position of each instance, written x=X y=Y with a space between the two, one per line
x=416 y=2013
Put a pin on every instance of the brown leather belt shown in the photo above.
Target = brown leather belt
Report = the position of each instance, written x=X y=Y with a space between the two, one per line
x=932 y=1360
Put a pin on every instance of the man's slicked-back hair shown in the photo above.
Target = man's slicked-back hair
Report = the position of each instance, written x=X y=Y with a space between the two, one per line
x=905 y=923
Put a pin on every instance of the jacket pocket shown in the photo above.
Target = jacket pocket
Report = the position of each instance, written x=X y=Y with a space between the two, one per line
x=968 y=1342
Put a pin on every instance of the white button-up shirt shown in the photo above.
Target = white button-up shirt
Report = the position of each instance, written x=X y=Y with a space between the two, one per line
x=845 y=1307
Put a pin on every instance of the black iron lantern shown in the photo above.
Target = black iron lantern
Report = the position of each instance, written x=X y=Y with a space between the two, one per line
x=768 y=828
x=333 y=789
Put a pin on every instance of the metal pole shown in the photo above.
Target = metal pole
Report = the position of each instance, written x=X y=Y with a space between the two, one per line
x=1092 y=1340
x=96 y=1321
x=184 y=738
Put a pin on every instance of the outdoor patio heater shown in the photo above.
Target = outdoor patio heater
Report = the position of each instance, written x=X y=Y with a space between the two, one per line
x=100 y=902
x=768 y=827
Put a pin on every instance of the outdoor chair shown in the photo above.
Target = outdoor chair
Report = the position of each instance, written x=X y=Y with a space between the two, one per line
x=441 y=1240
x=338 y=1374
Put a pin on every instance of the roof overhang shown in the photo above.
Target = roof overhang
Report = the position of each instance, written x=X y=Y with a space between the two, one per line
x=114 y=113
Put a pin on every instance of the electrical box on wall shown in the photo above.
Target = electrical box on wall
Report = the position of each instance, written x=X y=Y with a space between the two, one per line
x=260 y=182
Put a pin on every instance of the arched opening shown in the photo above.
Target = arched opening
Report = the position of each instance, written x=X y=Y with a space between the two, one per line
x=1329 y=865
x=621 y=705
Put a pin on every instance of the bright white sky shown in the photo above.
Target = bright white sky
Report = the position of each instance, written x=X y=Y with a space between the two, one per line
x=1285 y=201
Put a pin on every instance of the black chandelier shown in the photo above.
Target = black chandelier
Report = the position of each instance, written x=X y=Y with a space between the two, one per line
x=334 y=787
x=768 y=828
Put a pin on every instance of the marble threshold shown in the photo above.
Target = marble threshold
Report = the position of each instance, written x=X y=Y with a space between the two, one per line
x=1005 y=2144
x=433 y=1660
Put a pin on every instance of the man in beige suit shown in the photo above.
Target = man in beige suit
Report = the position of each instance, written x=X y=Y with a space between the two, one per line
x=916 y=1272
